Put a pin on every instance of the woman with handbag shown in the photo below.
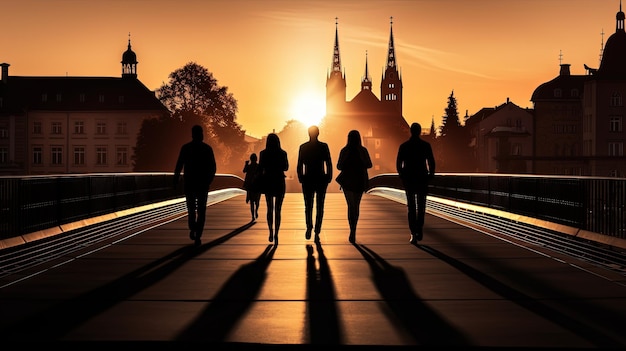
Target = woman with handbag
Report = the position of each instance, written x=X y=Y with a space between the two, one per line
x=353 y=162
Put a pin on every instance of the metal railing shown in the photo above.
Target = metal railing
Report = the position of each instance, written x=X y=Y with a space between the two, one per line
x=593 y=204
x=32 y=203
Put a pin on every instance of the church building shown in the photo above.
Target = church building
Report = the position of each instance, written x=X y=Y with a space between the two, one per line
x=380 y=121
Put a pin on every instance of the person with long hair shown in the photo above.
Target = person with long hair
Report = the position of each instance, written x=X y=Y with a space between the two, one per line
x=251 y=186
x=353 y=163
x=273 y=164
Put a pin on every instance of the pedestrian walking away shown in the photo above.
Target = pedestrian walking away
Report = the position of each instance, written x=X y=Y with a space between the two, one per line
x=251 y=185
x=415 y=164
x=353 y=162
x=315 y=172
x=273 y=164
x=197 y=162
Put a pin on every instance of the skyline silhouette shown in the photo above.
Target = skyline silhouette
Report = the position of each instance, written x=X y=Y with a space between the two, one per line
x=484 y=56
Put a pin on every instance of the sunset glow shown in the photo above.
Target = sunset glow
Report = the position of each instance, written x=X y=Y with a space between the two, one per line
x=263 y=51
x=308 y=108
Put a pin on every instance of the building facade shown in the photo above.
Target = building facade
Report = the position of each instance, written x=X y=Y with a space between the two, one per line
x=579 y=119
x=502 y=139
x=66 y=125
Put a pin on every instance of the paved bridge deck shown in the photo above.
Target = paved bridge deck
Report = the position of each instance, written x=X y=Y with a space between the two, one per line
x=458 y=287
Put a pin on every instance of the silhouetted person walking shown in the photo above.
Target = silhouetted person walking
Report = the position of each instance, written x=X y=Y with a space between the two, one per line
x=416 y=167
x=251 y=185
x=272 y=164
x=315 y=171
x=197 y=161
x=353 y=162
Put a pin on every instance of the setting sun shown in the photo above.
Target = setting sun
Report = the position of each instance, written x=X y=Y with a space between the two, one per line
x=308 y=108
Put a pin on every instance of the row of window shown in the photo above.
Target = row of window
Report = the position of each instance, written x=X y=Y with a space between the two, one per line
x=81 y=98
x=79 y=128
x=79 y=155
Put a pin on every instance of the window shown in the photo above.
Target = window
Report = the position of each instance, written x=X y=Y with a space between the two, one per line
x=616 y=148
x=56 y=153
x=101 y=155
x=574 y=93
x=57 y=128
x=120 y=99
x=79 y=127
x=122 y=156
x=79 y=155
x=36 y=127
x=615 y=123
x=101 y=128
x=59 y=97
x=37 y=155
x=4 y=133
x=81 y=97
x=558 y=93
x=516 y=149
x=101 y=98
x=44 y=97
x=4 y=155
x=122 y=128
x=616 y=99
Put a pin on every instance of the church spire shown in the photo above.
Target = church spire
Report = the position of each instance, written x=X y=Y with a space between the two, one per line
x=391 y=83
x=336 y=81
x=619 y=25
x=336 y=59
x=391 y=56
x=366 y=82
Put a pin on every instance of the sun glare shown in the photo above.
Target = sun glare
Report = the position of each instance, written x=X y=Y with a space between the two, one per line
x=308 y=108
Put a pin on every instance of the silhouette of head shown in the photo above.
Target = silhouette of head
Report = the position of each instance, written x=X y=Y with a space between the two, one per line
x=196 y=133
x=272 y=142
x=354 y=138
x=314 y=132
x=253 y=157
x=416 y=129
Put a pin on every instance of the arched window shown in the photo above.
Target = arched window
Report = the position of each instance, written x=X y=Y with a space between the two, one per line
x=616 y=99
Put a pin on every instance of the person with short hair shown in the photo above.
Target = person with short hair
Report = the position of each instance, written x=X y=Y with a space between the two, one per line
x=415 y=164
x=197 y=162
x=315 y=172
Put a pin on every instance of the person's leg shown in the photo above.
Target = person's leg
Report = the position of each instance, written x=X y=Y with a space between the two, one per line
x=270 y=216
x=412 y=214
x=202 y=197
x=252 y=205
x=320 y=194
x=191 y=214
x=308 y=194
x=277 y=211
x=421 y=212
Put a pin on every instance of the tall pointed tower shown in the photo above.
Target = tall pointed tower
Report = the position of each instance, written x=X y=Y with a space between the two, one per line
x=391 y=83
x=129 y=62
x=336 y=80
x=366 y=81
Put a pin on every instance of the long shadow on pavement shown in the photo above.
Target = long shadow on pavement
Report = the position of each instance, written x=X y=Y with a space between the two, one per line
x=56 y=321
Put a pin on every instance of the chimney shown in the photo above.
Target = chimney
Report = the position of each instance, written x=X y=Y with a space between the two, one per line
x=5 y=72
x=565 y=69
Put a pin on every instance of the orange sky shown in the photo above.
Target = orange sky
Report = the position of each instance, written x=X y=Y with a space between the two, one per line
x=270 y=53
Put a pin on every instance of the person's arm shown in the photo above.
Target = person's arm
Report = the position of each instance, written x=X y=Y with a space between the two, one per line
x=329 y=164
x=400 y=160
x=367 y=161
x=300 y=164
x=341 y=159
x=286 y=168
x=430 y=161
x=212 y=165
x=180 y=162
